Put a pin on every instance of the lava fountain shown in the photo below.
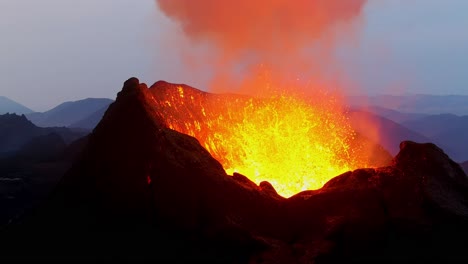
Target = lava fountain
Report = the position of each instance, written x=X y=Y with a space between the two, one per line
x=294 y=143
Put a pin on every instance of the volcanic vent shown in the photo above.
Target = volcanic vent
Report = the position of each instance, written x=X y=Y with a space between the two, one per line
x=295 y=144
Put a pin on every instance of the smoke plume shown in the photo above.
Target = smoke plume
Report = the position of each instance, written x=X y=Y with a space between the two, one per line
x=278 y=40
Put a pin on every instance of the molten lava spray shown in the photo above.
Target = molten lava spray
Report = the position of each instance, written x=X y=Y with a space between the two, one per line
x=259 y=46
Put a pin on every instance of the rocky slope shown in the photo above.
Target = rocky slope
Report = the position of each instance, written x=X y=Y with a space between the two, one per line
x=142 y=191
x=465 y=166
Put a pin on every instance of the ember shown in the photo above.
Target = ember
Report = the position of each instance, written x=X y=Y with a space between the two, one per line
x=293 y=143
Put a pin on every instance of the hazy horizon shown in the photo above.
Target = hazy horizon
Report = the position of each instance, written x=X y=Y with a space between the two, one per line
x=63 y=50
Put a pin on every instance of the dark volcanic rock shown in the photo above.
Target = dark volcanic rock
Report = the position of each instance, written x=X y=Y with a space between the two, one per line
x=465 y=166
x=28 y=176
x=141 y=190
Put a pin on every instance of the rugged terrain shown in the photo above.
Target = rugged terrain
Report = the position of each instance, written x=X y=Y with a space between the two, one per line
x=142 y=191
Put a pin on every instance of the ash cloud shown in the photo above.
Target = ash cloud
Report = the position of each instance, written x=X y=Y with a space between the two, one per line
x=278 y=40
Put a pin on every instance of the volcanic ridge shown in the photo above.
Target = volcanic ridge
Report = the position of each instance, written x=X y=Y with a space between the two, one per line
x=140 y=190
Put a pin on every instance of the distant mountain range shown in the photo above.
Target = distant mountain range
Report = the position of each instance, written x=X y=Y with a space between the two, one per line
x=420 y=103
x=382 y=130
x=69 y=113
x=90 y=121
x=16 y=131
x=9 y=106
x=84 y=114
x=442 y=120
x=395 y=118
x=394 y=115
x=445 y=130
x=435 y=125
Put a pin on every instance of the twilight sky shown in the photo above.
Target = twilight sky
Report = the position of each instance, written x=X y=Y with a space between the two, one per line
x=53 y=51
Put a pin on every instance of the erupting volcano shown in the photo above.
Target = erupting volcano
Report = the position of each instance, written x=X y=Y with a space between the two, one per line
x=294 y=143
x=271 y=162
x=294 y=140
x=140 y=188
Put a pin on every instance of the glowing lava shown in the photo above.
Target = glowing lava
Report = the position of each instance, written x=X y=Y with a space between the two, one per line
x=292 y=143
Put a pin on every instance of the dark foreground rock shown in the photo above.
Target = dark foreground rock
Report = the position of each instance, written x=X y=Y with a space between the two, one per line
x=465 y=166
x=142 y=191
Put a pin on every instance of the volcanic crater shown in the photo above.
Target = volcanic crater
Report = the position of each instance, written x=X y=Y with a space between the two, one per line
x=292 y=142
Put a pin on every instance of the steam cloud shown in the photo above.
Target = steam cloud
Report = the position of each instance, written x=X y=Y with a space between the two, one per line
x=279 y=38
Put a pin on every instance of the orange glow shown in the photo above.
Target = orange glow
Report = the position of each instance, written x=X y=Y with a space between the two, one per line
x=294 y=143
x=290 y=142
x=231 y=38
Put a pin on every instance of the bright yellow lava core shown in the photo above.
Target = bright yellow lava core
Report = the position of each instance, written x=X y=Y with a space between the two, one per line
x=292 y=143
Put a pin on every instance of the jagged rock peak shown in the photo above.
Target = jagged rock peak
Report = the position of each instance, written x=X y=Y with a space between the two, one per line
x=13 y=118
x=131 y=85
x=431 y=158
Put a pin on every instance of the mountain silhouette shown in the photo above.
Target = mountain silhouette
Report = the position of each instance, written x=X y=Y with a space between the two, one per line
x=433 y=125
x=91 y=121
x=17 y=130
x=382 y=130
x=140 y=190
x=417 y=103
x=69 y=113
x=442 y=129
x=445 y=129
x=9 y=106
x=395 y=116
